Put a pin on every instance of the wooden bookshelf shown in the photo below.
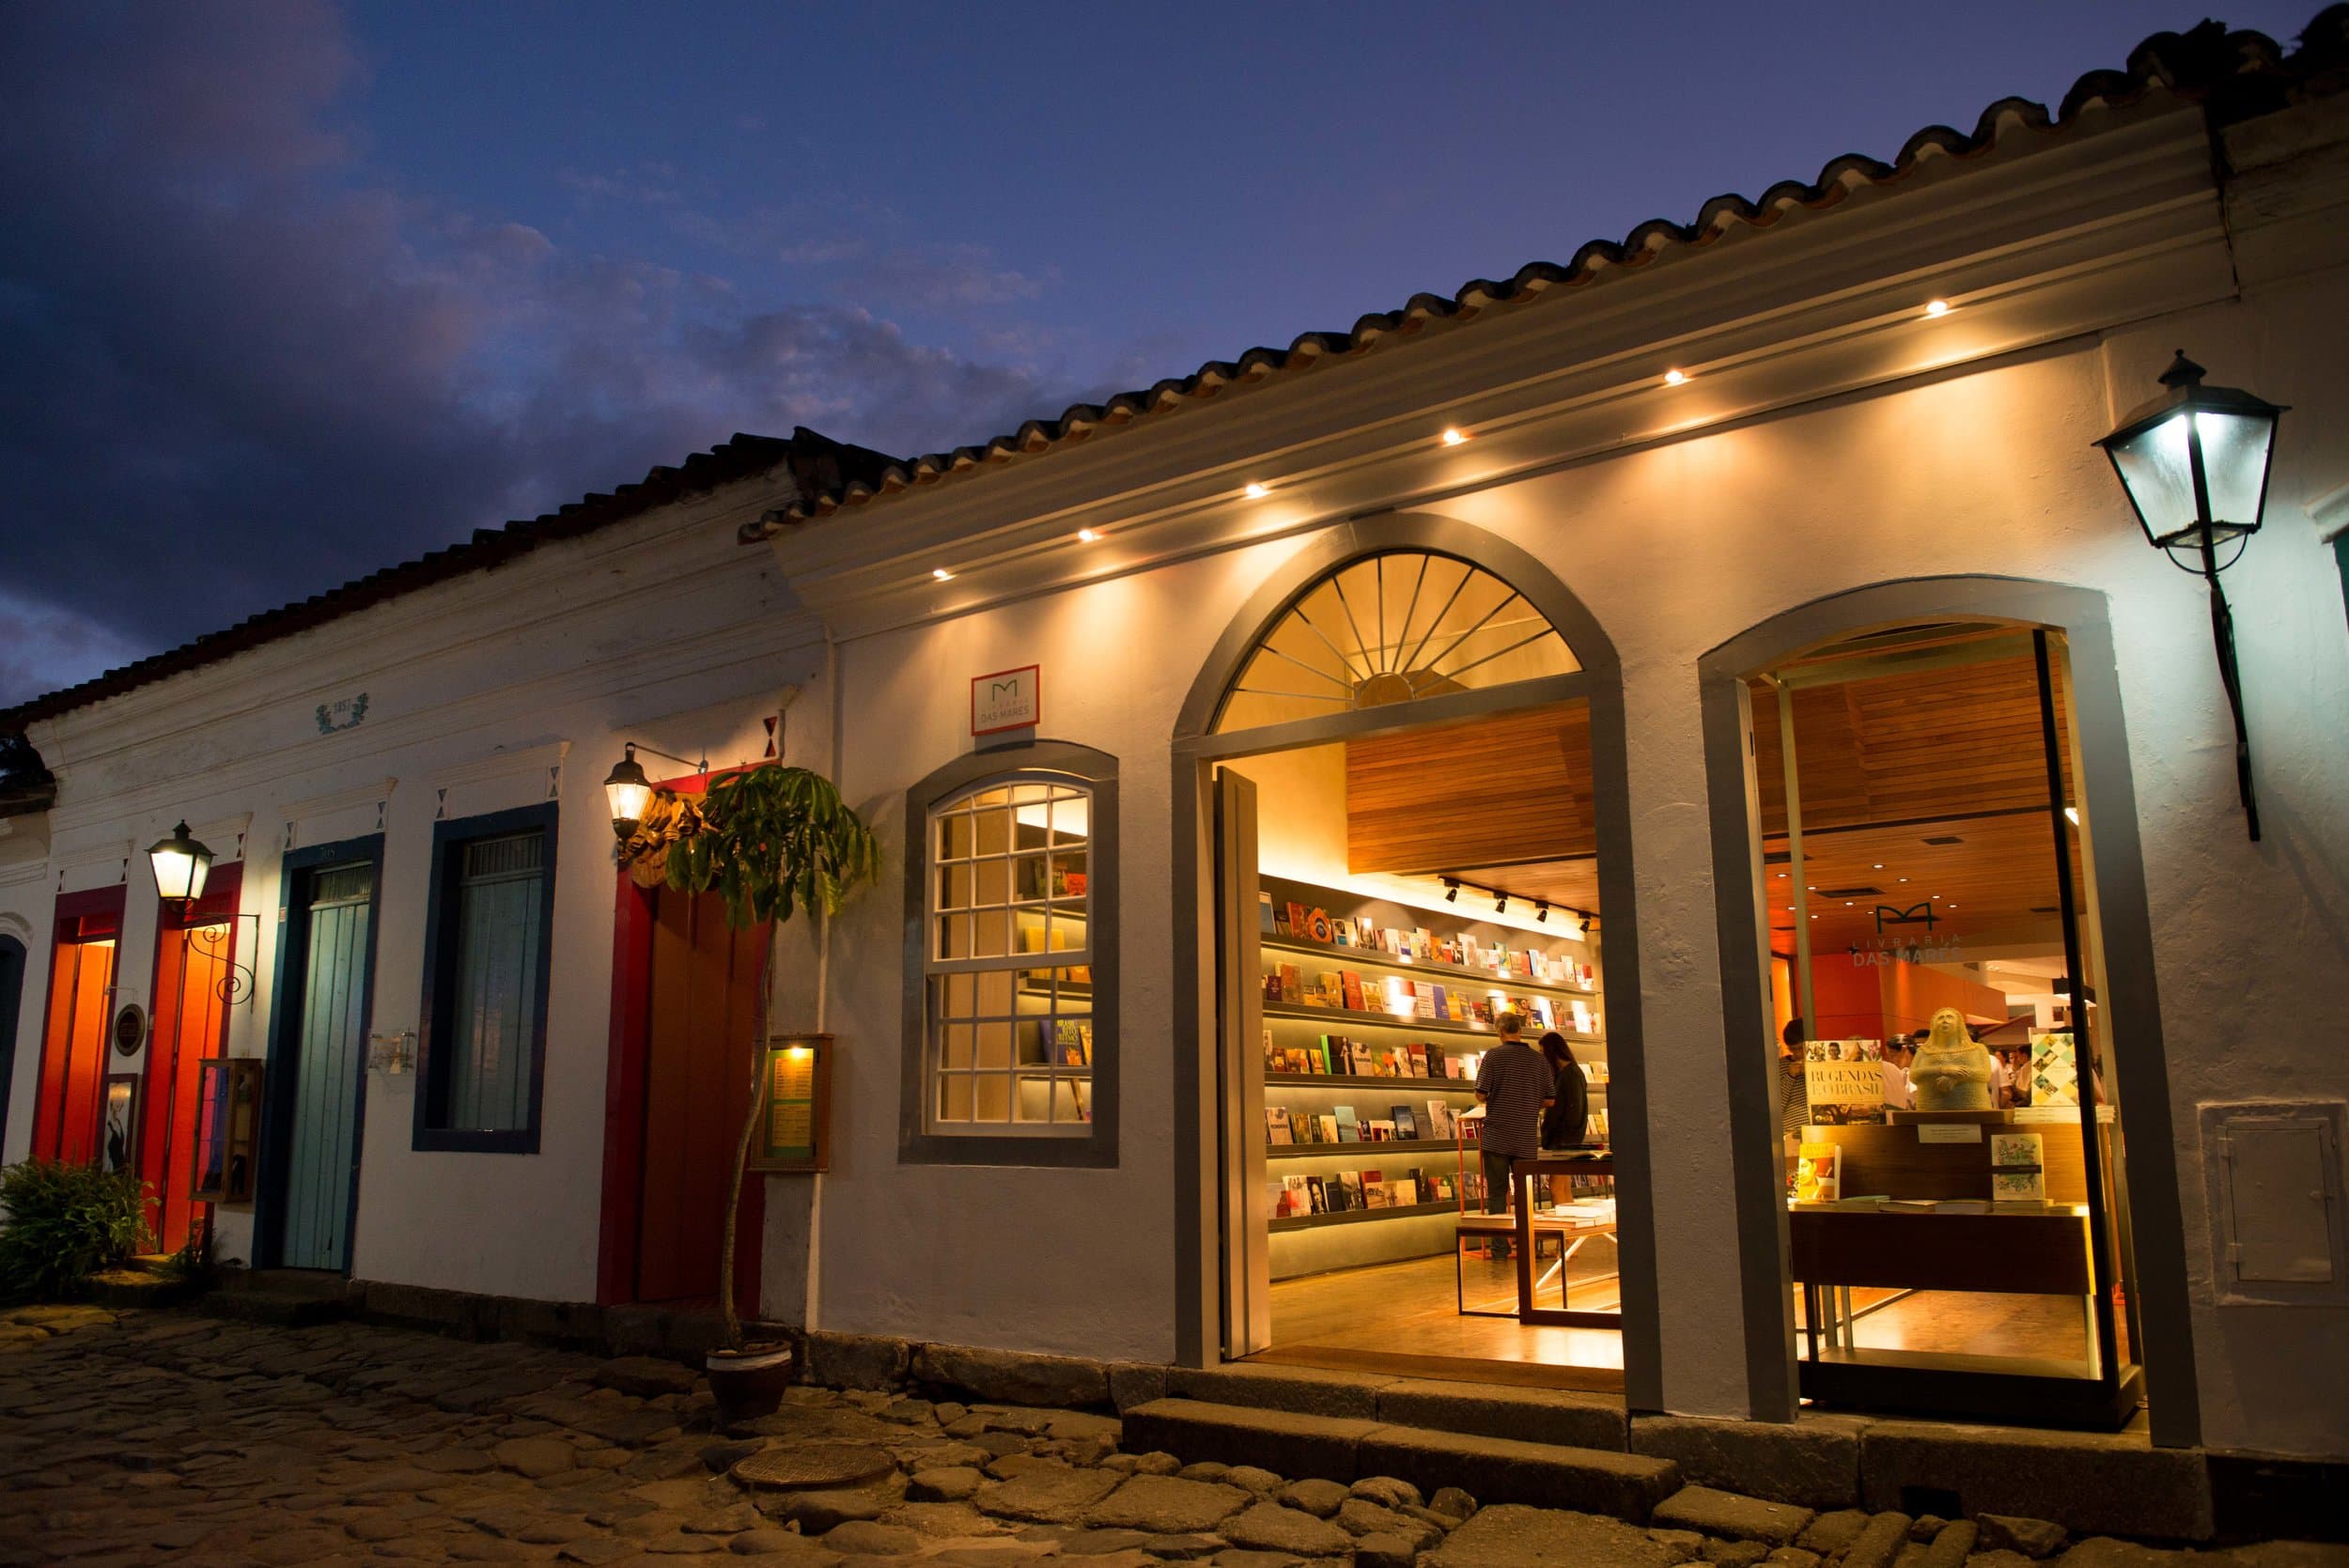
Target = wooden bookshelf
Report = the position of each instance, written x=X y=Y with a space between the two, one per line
x=1355 y=1217
x=1350 y=1080
x=1367 y=1019
x=1355 y=1149
x=1373 y=958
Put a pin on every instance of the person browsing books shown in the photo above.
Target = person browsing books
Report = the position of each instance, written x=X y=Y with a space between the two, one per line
x=1899 y=1092
x=1515 y=1085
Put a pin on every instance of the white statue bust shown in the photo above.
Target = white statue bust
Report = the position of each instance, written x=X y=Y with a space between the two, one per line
x=1950 y=1072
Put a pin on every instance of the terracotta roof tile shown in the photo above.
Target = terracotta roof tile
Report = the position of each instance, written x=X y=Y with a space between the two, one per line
x=2235 y=75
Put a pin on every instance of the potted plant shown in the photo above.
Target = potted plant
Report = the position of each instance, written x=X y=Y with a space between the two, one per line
x=770 y=841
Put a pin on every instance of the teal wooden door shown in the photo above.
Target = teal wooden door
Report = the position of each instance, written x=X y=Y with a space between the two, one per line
x=321 y=1164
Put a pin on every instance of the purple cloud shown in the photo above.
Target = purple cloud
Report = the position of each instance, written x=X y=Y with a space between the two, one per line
x=236 y=367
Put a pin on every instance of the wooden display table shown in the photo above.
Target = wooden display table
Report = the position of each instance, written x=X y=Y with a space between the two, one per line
x=2018 y=1252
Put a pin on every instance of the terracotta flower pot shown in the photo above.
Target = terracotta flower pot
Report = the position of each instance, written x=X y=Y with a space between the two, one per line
x=749 y=1383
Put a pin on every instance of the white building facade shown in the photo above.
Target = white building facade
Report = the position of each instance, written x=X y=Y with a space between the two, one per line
x=1699 y=454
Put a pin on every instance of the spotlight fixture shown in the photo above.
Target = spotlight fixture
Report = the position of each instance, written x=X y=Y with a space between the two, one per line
x=1454 y=436
x=1451 y=891
x=1501 y=904
x=1675 y=377
x=942 y=574
x=1541 y=913
x=1086 y=535
x=1257 y=491
x=1937 y=307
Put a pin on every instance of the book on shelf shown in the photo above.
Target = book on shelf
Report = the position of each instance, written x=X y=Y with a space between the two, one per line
x=2018 y=1168
x=1406 y=1124
x=1333 y=1192
x=1402 y=1192
x=1350 y=985
x=1276 y=1125
x=1418 y=1056
x=1818 y=1172
x=1356 y=1197
x=1316 y=1201
x=1349 y=1130
x=1325 y=1128
x=1266 y=925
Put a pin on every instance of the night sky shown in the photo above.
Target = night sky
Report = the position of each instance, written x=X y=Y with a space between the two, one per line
x=290 y=291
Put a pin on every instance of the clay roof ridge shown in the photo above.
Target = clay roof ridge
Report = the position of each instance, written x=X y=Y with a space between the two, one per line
x=2239 y=73
x=817 y=461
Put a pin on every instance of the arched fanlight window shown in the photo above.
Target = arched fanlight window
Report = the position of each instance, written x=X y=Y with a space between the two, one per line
x=1390 y=629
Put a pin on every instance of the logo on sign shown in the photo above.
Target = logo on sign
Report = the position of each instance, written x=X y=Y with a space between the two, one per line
x=1006 y=700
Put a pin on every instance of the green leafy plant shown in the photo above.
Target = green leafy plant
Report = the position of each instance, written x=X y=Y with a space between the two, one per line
x=193 y=1265
x=769 y=841
x=65 y=1222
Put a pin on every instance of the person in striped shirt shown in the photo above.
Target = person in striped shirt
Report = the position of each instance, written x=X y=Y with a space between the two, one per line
x=1515 y=1085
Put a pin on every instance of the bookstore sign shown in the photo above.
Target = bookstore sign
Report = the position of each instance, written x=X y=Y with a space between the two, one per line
x=1006 y=700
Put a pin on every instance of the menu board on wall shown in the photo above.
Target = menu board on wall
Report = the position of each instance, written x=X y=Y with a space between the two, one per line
x=794 y=1104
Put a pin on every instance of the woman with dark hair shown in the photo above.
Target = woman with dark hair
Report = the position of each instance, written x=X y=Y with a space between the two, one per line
x=1566 y=1120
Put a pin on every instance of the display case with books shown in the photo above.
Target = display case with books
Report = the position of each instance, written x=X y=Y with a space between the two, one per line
x=1376 y=1016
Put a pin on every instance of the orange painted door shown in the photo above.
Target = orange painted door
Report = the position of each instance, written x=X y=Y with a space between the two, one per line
x=73 y=1052
x=702 y=1014
x=192 y=969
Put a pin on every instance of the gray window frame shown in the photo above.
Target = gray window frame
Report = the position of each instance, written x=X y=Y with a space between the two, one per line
x=1058 y=762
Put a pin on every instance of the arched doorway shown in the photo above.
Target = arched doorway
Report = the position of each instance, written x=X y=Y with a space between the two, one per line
x=1924 y=821
x=1400 y=794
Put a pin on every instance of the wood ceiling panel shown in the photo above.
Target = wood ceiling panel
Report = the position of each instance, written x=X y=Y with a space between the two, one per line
x=1995 y=889
x=1509 y=789
x=1567 y=884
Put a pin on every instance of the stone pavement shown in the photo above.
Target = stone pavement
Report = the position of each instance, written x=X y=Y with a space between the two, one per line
x=139 y=1437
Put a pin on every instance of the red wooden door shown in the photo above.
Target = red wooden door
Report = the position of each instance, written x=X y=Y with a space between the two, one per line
x=75 y=1043
x=194 y=964
x=701 y=1012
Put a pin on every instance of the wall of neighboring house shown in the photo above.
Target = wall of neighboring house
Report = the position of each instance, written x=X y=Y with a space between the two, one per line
x=501 y=689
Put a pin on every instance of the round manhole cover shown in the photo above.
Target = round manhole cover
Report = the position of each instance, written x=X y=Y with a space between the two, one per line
x=814 y=1467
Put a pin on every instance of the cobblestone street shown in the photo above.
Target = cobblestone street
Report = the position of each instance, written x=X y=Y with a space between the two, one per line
x=141 y=1437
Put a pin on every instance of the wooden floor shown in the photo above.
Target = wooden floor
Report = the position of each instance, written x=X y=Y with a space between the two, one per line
x=1405 y=1318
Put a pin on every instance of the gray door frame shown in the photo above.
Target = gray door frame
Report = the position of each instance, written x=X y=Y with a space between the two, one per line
x=2120 y=906
x=1202 y=1113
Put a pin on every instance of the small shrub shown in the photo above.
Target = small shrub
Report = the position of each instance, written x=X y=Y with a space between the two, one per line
x=65 y=1222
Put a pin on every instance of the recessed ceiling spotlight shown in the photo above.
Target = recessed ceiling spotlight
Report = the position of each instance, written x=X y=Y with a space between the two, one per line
x=942 y=574
x=1454 y=436
x=1879 y=867
x=1846 y=903
x=1088 y=535
x=2072 y=815
x=1255 y=492
x=1675 y=377
x=1937 y=307
x=1903 y=878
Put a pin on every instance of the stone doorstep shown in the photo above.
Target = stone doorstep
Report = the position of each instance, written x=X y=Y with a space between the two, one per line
x=2091 y=1483
x=1348 y=1448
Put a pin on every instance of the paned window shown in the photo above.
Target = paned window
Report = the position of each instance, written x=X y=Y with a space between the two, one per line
x=486 y=985
x=1009 y=969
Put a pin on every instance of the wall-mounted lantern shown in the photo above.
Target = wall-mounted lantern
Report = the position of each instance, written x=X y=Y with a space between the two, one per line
x=181 y=863
x=2195 y=462
x=630 y=792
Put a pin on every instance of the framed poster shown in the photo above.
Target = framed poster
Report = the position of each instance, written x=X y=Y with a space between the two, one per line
x=794 y=1131
x=118 y=1139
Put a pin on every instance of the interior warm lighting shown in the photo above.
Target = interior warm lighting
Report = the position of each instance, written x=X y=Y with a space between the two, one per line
x=942 y=574
x=2072 y=815
x=1675 y=377
x=1877 y=866
x=1455 y=437
x=1937 y=307
x=1088 y=535
x=1257 y=491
